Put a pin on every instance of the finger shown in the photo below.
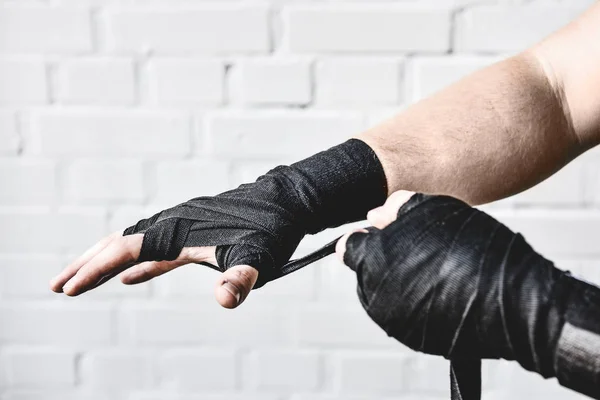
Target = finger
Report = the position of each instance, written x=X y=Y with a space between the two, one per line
x=147 y=270
x=234 y=285
x=120 y=254
x=340 y=247
x=57 y=283
x=384 y=215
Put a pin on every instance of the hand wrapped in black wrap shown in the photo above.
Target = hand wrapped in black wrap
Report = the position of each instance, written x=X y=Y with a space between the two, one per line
x=447 y=279
x=261 y=224
x=255 y=227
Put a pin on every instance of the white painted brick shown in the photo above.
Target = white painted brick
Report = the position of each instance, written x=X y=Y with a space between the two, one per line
x=288 y=370
x=44 y=30
x=357 y=82
x=427 y=75
x=509 y=28
x=61 y=324
x=280 y=134
x=45 y=394
x=338 y=326
x=33 y=367
x=9 y=134
x=201 y=29
x=295 y=288
x=556 y=234
x=26 y=275
x=39 y=231
x=186 y=82
x=106 y=133
x=344 y=396
x=427 y=374
x=181 y=323
x=224 y=396
x=188 y=281
x=566 y=187
x=117 y=369
x=337 y=281
x=523 y=384
x=26 y=182
x=378 y=373
x=23 y=81
x=105 y=181
x=202 y=370
x=96 y=81
x=370 y=29
x=179 y=181
x=274 y=81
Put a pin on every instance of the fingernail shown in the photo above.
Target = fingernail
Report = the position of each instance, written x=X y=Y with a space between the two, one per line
x=233 y=290
x=67 y=288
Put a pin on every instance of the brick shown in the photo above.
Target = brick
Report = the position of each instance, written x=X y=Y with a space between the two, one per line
x=186 y=82
x=225 y=396
x=371 y=373
x=27 y=182
x=26 y=30
x=338 y=326
x=108 y=133
x=557 y=233
x=53 y=395
x=179 y=181
x=188 y=281
x=27 y=275
x=96 y=81
x=357 y=82
x=202 y=29
x=117 y=369
x=60 y=324
x=288 y=370
x=179 y=323
x=337 y=281
x=9 y=134
x=427 y=75
x=509 y=28
x=427 y=374
x=23 y=81
x=273 y=81
x=180 y=369
x=32 y=367
x=105 y=181
x=280 y=134
x=39 y=231
x=368 y=29
x=566 y=187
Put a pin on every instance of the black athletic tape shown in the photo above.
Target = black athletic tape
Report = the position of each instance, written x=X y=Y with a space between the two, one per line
x=261 y=224
x=448 y=279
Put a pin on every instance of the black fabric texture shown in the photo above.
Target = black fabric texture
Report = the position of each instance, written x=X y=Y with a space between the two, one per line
x=261 y=224
x=448 y=279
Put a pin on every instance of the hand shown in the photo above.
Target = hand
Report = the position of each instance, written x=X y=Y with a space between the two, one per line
x=447 y=279
x=248 y=233
x=116 y=254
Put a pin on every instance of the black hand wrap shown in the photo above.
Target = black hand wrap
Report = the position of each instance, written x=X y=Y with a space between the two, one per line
x=261 y=224
x=448 y=279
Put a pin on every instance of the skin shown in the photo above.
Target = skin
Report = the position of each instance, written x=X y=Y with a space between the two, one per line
x=493 y=134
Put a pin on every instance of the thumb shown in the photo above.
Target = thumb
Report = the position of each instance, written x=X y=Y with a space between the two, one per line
x=234 y=285
x=346 y=247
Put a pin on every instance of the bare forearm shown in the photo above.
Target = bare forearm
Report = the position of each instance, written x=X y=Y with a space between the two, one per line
x=495 y=133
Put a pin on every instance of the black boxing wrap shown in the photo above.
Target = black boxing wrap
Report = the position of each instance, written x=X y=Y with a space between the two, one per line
x=450 y=280
x=261 y=224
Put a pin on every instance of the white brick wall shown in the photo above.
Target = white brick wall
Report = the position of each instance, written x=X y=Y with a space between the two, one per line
x=111 y=110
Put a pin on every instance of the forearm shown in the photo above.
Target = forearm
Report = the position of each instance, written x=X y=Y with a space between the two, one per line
x=500 y=130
